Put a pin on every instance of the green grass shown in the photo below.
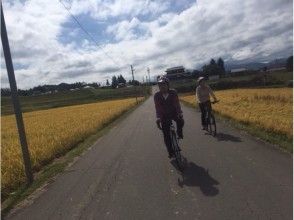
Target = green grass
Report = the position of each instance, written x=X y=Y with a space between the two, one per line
x=280 y=140
x=49 y=172
x=67 y=98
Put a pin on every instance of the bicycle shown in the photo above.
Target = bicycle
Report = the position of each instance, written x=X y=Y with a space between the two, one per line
x=210 y=120
x=175 y=145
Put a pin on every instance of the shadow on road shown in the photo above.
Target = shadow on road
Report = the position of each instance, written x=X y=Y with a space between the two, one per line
x=194 y=175
x=227 y=137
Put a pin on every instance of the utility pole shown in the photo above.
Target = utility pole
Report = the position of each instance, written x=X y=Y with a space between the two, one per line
x=132 y=69
x=146 y=87
x=148 y=71
x=15 y=100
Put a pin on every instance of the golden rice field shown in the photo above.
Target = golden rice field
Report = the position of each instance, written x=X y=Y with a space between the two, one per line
x=51 y=133
x=270 y=109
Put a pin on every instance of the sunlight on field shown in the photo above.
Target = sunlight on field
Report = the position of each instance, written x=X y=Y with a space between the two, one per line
x=269 y=109
x=51 y=133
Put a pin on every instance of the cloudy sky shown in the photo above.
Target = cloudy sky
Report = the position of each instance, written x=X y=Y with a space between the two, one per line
x=48 y=47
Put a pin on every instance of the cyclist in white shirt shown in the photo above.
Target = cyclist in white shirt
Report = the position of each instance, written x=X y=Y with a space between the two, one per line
x=203 y=93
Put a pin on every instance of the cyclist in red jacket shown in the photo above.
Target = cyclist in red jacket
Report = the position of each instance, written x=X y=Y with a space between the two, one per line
x=168 y=108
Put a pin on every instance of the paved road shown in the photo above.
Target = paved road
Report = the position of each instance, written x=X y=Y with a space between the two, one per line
x=127 y=175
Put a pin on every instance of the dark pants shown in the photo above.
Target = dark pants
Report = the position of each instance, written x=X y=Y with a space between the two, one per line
x=205 y=108
x=166 y=131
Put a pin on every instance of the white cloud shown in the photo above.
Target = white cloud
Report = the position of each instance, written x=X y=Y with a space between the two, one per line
x=124 y=30
x=103 y=9
x=233 y=29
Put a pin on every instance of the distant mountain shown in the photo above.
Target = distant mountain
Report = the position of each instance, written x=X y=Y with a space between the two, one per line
x=256 y=65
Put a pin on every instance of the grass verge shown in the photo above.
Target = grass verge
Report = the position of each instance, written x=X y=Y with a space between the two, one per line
x=49 y=172
x=280 y=140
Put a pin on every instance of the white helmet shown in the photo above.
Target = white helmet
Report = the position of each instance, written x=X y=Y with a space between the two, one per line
x=200 y=79
x=163 y=80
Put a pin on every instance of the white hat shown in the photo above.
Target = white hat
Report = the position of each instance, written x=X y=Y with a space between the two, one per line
x=200 y=79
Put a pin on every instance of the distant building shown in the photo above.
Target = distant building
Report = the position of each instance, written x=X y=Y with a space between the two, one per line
x=275 y=65
x=177 y=72
x=276 y=69
x=88 y=87
x=239 y=70
x=121 y=85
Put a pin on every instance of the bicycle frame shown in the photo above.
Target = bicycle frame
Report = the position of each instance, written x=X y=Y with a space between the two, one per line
x=208 y=110
x=210 y=119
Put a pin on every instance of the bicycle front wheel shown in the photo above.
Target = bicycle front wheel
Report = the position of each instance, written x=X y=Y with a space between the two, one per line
x=177 y=151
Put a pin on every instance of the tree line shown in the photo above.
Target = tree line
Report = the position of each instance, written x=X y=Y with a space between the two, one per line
x=116 y=80
x=41 y=89
x=120 y=80
x=214 y=68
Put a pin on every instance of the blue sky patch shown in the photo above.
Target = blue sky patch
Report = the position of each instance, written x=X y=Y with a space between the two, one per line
x=72 y=33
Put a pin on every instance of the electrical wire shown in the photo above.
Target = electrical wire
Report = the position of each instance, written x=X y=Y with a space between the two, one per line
x=90 y=37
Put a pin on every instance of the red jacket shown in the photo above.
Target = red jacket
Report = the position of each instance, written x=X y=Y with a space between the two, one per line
x=167 y=108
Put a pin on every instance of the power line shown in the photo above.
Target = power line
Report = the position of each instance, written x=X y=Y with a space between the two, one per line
x=88 y=34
